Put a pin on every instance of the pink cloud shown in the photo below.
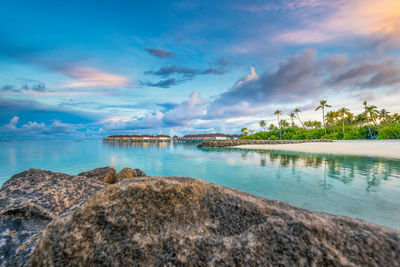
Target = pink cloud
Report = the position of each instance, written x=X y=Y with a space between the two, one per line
x=350 y=18
x=91 y=77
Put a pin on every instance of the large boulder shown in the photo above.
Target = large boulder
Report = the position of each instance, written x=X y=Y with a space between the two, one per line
x=128 y=173
x=105 y=174
x=29 y=201
x=183 y=221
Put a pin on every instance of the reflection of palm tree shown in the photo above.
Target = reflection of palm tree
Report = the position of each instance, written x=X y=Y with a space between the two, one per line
x=278 y=112
x=323 y=105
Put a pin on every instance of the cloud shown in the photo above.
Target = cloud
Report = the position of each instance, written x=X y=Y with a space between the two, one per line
x=167 y=71
x=294 y=79
x=187 y=111
x=304 y=37
x=303 y=78
x=32 y=110
x=37 y=87
x=180 y=114
x=164 y=83
x=281 y=5
x=367 y=75
x=375 y=20
x=92 y=77
x=12 y=125
x=183 y=74
x=34 y=130
x=159 y=53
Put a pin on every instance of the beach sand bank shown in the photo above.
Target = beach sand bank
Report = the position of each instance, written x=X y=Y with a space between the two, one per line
x=371 y=148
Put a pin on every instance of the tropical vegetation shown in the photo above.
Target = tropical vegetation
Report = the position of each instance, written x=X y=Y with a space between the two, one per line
x=336 y=124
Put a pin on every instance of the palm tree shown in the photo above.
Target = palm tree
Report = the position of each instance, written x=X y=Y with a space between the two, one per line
x=297 y=114
x=308 y=124
x=366 y=117
x=285 y=125
x=360 y=119
x=316 y=124
x=396 y=118
x=373 y=113
x=262 y=124
x=292 y=117
x=244 y=131
x=383 y=115
x=278 y=112
x=344 y=112
x=330 y=119
x=271 y=127
x=323 y=105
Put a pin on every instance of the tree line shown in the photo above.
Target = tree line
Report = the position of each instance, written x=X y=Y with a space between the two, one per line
x=336 y=124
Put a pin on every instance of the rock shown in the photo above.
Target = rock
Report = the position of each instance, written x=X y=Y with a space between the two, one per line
x=29 y=201
x=105 y=174
x=168 y=221
x=127 y=173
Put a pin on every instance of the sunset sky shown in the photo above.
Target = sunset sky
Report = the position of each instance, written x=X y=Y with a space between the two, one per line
x=89 y=69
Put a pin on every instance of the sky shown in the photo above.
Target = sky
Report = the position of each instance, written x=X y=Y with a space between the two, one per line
x=88 y=69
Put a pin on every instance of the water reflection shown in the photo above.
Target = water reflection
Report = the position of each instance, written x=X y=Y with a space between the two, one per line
x=138 y=144
x=366 y=188
x=343 y=168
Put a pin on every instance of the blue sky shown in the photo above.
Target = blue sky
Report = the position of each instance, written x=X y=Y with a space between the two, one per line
x=88 y=69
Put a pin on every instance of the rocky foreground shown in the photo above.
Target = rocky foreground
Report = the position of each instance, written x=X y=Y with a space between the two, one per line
x=30 y=200
x=76 y=220
x=231 y=143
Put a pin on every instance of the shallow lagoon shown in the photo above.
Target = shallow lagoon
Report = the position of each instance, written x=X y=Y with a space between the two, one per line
x=362 y=187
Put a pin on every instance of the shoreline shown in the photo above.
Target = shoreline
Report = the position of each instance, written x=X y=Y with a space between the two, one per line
x=370 y=148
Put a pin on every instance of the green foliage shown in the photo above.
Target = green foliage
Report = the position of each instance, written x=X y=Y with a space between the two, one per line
x=334 y=136
x=391 y=131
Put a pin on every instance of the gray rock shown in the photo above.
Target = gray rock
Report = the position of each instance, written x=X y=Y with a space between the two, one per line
x=183 y=221
x=128 y=173
x=105 y=174
x=29 y=201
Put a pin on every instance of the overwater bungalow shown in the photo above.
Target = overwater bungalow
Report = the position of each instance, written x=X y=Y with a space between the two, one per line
x=137 y=138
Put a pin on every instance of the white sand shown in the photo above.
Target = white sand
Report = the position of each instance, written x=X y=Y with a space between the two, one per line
x=372 y=148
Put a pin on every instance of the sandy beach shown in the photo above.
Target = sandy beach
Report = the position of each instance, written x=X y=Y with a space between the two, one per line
x=372 y=148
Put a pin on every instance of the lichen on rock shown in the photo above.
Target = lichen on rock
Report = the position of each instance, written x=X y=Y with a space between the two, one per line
x=128 y=173
x=29 y=201
x=184 y=221
x=105 y=174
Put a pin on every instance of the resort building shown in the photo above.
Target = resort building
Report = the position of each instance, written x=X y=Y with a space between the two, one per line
x=137 y=138
x=235 y=137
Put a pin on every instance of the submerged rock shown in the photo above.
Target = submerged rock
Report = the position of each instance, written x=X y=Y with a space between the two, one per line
x=29 y=201
x=105 y=174
x=127 y=173
x=175 y=221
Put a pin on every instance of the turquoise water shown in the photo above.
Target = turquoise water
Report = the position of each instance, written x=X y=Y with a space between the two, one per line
x=362 y=187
